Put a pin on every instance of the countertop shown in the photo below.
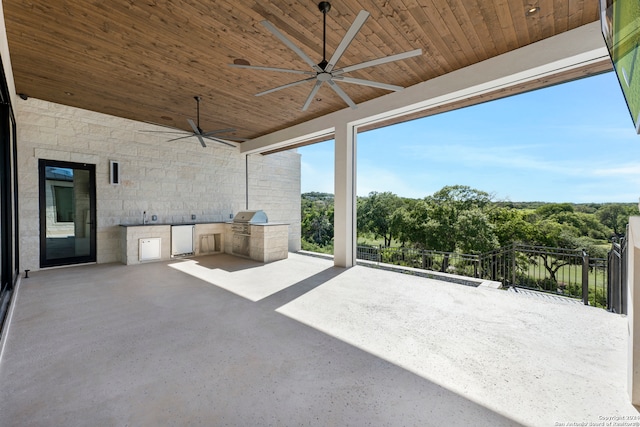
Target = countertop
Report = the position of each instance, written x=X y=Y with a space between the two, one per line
x=171 y=224
x=266 y=224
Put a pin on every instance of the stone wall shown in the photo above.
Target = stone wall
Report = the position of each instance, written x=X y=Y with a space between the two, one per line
x=268 y=176
x=172 y=180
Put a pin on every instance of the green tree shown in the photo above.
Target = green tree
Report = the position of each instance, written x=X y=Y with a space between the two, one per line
x=616 y=216
x=401 y=223
x=510 y=225
x=440 y=227
x=377 y=215
x=550 y=209
x=475 y=233
x=317 y=218
x=550 y=233
x=583 y=224
x=453 y=218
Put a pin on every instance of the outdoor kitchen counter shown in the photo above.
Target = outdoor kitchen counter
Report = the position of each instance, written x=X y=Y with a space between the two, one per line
x=208 y=238
x=164 y=224
x=268 y=242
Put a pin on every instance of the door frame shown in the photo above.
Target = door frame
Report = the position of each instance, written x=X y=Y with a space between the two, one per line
x=91 y=257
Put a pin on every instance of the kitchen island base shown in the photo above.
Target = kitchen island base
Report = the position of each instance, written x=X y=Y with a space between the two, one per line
x=268 y=242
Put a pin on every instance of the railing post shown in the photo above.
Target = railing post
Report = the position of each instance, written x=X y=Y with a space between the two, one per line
x=494 y=266
x=475 y=266
x=614 y=276
x=585 y=277
x=513 y=264
x=624 y=247
x=613 y=282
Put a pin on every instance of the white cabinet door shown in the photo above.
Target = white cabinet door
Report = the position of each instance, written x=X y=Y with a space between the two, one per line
x=149 y=249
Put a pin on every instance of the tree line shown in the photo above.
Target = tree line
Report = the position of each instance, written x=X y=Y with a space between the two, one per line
x=462 y=219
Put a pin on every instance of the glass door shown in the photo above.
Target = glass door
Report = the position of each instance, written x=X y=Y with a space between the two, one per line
x=67 y=213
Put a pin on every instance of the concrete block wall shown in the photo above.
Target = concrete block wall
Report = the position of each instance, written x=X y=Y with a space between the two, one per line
x=172 y=180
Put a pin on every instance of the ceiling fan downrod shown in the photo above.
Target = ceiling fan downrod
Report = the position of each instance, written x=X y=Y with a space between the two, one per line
x=197 y=98
x=324 y=7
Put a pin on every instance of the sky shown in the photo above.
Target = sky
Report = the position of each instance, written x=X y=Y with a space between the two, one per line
x=573 y=142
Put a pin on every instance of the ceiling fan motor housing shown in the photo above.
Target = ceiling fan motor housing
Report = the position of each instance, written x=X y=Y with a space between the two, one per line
x=324 y=6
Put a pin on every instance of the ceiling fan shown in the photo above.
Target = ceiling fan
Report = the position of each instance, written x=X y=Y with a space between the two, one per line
x=325 y=71
x=197 y=131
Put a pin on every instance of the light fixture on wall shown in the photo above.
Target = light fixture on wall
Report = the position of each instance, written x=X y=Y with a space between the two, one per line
x=114 y=172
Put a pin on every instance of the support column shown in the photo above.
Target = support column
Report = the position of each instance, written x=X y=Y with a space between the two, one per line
x=633 y=308
x=344 y=221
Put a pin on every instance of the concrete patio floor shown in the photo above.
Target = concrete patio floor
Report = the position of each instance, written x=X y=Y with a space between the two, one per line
x=220 y=340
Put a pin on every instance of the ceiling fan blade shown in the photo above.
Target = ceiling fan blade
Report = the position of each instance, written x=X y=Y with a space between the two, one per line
x=379 y=61
x=285 y=86
x=161 y=125
x=209 y=137
x=269 y=26
x=197 y=132
x=210 y=134
x=313 y=92
x=342 y=94
x=347 y=39
x=368 y=83
x=282 y=70
x=213 y=132
x=182 y=137
x=201 y=141
x=162 y=131
x=220 y=141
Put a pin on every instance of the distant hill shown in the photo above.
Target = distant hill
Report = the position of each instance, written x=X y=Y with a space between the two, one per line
x=315 y=196
x=577 y=207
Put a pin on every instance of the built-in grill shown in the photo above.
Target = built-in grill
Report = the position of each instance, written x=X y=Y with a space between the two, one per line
x=241 y=229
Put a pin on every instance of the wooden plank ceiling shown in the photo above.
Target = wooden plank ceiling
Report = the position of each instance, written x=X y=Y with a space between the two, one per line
x=146 y=59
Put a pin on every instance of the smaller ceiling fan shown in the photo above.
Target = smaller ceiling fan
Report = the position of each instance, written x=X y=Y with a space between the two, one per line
x=197 y=131
x=325 y=71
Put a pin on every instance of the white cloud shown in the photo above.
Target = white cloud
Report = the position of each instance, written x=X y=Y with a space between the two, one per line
x=488 y=157
x=631 y=170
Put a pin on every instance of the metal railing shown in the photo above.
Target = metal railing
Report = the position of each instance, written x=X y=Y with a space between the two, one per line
x=446 y=262
x=617 y=276
x=569 y=272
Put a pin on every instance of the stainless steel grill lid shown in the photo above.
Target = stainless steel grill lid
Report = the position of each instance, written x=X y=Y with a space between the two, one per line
x=251 y=217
